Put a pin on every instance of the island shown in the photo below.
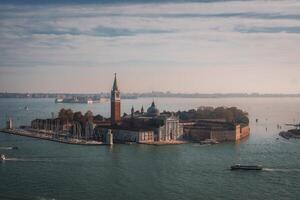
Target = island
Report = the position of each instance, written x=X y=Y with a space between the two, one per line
x=139 y=126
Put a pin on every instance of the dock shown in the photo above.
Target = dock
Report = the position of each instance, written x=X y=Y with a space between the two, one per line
x=44 y=136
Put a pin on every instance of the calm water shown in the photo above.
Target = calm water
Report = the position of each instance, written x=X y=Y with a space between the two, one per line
x=47 y=170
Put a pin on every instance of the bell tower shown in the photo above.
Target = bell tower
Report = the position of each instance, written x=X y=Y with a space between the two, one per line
x=115 y=103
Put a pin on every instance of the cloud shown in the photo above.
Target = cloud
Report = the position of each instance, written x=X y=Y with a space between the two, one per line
x=181 y=36
x=275 y=29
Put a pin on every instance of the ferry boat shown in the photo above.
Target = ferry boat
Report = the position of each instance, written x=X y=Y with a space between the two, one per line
x=2 y=158
x=246 y=167
x=59 y=100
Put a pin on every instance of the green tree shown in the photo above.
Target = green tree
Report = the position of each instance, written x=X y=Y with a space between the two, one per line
x=101 y=118
x=78 y=116
x=88 y=116
x=66 y=115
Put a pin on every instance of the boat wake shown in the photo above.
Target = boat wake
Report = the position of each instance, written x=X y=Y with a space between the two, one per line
x=8 y=148
x=281 y=170
x=24 y=160
x=14 y=159
x=28 y=160
x=44 y=198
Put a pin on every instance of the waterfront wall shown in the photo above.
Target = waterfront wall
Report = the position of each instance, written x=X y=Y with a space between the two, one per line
x=120 y=135
x=245 y=132
x=225 y=135
x=195 y=133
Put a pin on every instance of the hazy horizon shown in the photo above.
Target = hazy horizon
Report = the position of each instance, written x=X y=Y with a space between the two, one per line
x=149 y=92
x=177 y=46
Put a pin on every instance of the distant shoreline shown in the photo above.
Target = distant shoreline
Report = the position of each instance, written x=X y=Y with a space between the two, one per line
x=149 y=95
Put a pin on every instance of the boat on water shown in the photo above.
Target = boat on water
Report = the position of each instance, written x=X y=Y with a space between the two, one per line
x=209 y=141
x=9 y=148
x=246 y=167
x=59 y=100
x=26 y=108
x=2 y=158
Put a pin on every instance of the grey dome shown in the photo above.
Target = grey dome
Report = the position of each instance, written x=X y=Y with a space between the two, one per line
x=152 y=110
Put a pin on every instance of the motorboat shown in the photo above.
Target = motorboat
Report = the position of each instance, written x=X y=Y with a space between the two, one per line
x=209 y=141
x=2 y=158
x=246 y=167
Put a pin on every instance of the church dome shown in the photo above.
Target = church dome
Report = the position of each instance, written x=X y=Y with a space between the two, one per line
x=152 y=110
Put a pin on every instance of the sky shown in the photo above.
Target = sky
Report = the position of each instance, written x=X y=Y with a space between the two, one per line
x=178 y=46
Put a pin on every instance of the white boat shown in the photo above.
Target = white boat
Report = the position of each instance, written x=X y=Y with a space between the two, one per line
x=2 y=158
x=59 y=100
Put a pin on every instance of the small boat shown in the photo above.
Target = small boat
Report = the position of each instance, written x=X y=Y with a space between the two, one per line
x=59 y=100
x=246 y=167
x=2 y=158
x=128 y=142
x=26 y=108
x=14 y=147
x=209 y=141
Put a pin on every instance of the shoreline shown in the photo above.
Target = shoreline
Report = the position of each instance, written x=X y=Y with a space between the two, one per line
x=161 y=143
x=43 y=136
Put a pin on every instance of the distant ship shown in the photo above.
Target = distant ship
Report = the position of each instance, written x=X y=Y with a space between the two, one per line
x=26 y=108
x=246 y=167
x=292 y=133
x=83 y=100
x=59 y=100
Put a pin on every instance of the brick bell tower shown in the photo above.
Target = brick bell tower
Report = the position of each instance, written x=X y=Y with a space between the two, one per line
x=115 y=103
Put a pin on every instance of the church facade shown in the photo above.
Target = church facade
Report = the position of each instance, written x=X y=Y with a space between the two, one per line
x=166 y=127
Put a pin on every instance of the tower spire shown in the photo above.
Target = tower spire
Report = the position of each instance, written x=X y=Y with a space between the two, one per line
x=115 y=85
x=153 y=104
x=142 y=109
x=132 y=111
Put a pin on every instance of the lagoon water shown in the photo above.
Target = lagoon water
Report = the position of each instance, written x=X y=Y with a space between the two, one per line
x=47 y=170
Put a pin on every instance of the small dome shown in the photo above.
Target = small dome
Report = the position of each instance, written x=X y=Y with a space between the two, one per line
x=152 y=110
